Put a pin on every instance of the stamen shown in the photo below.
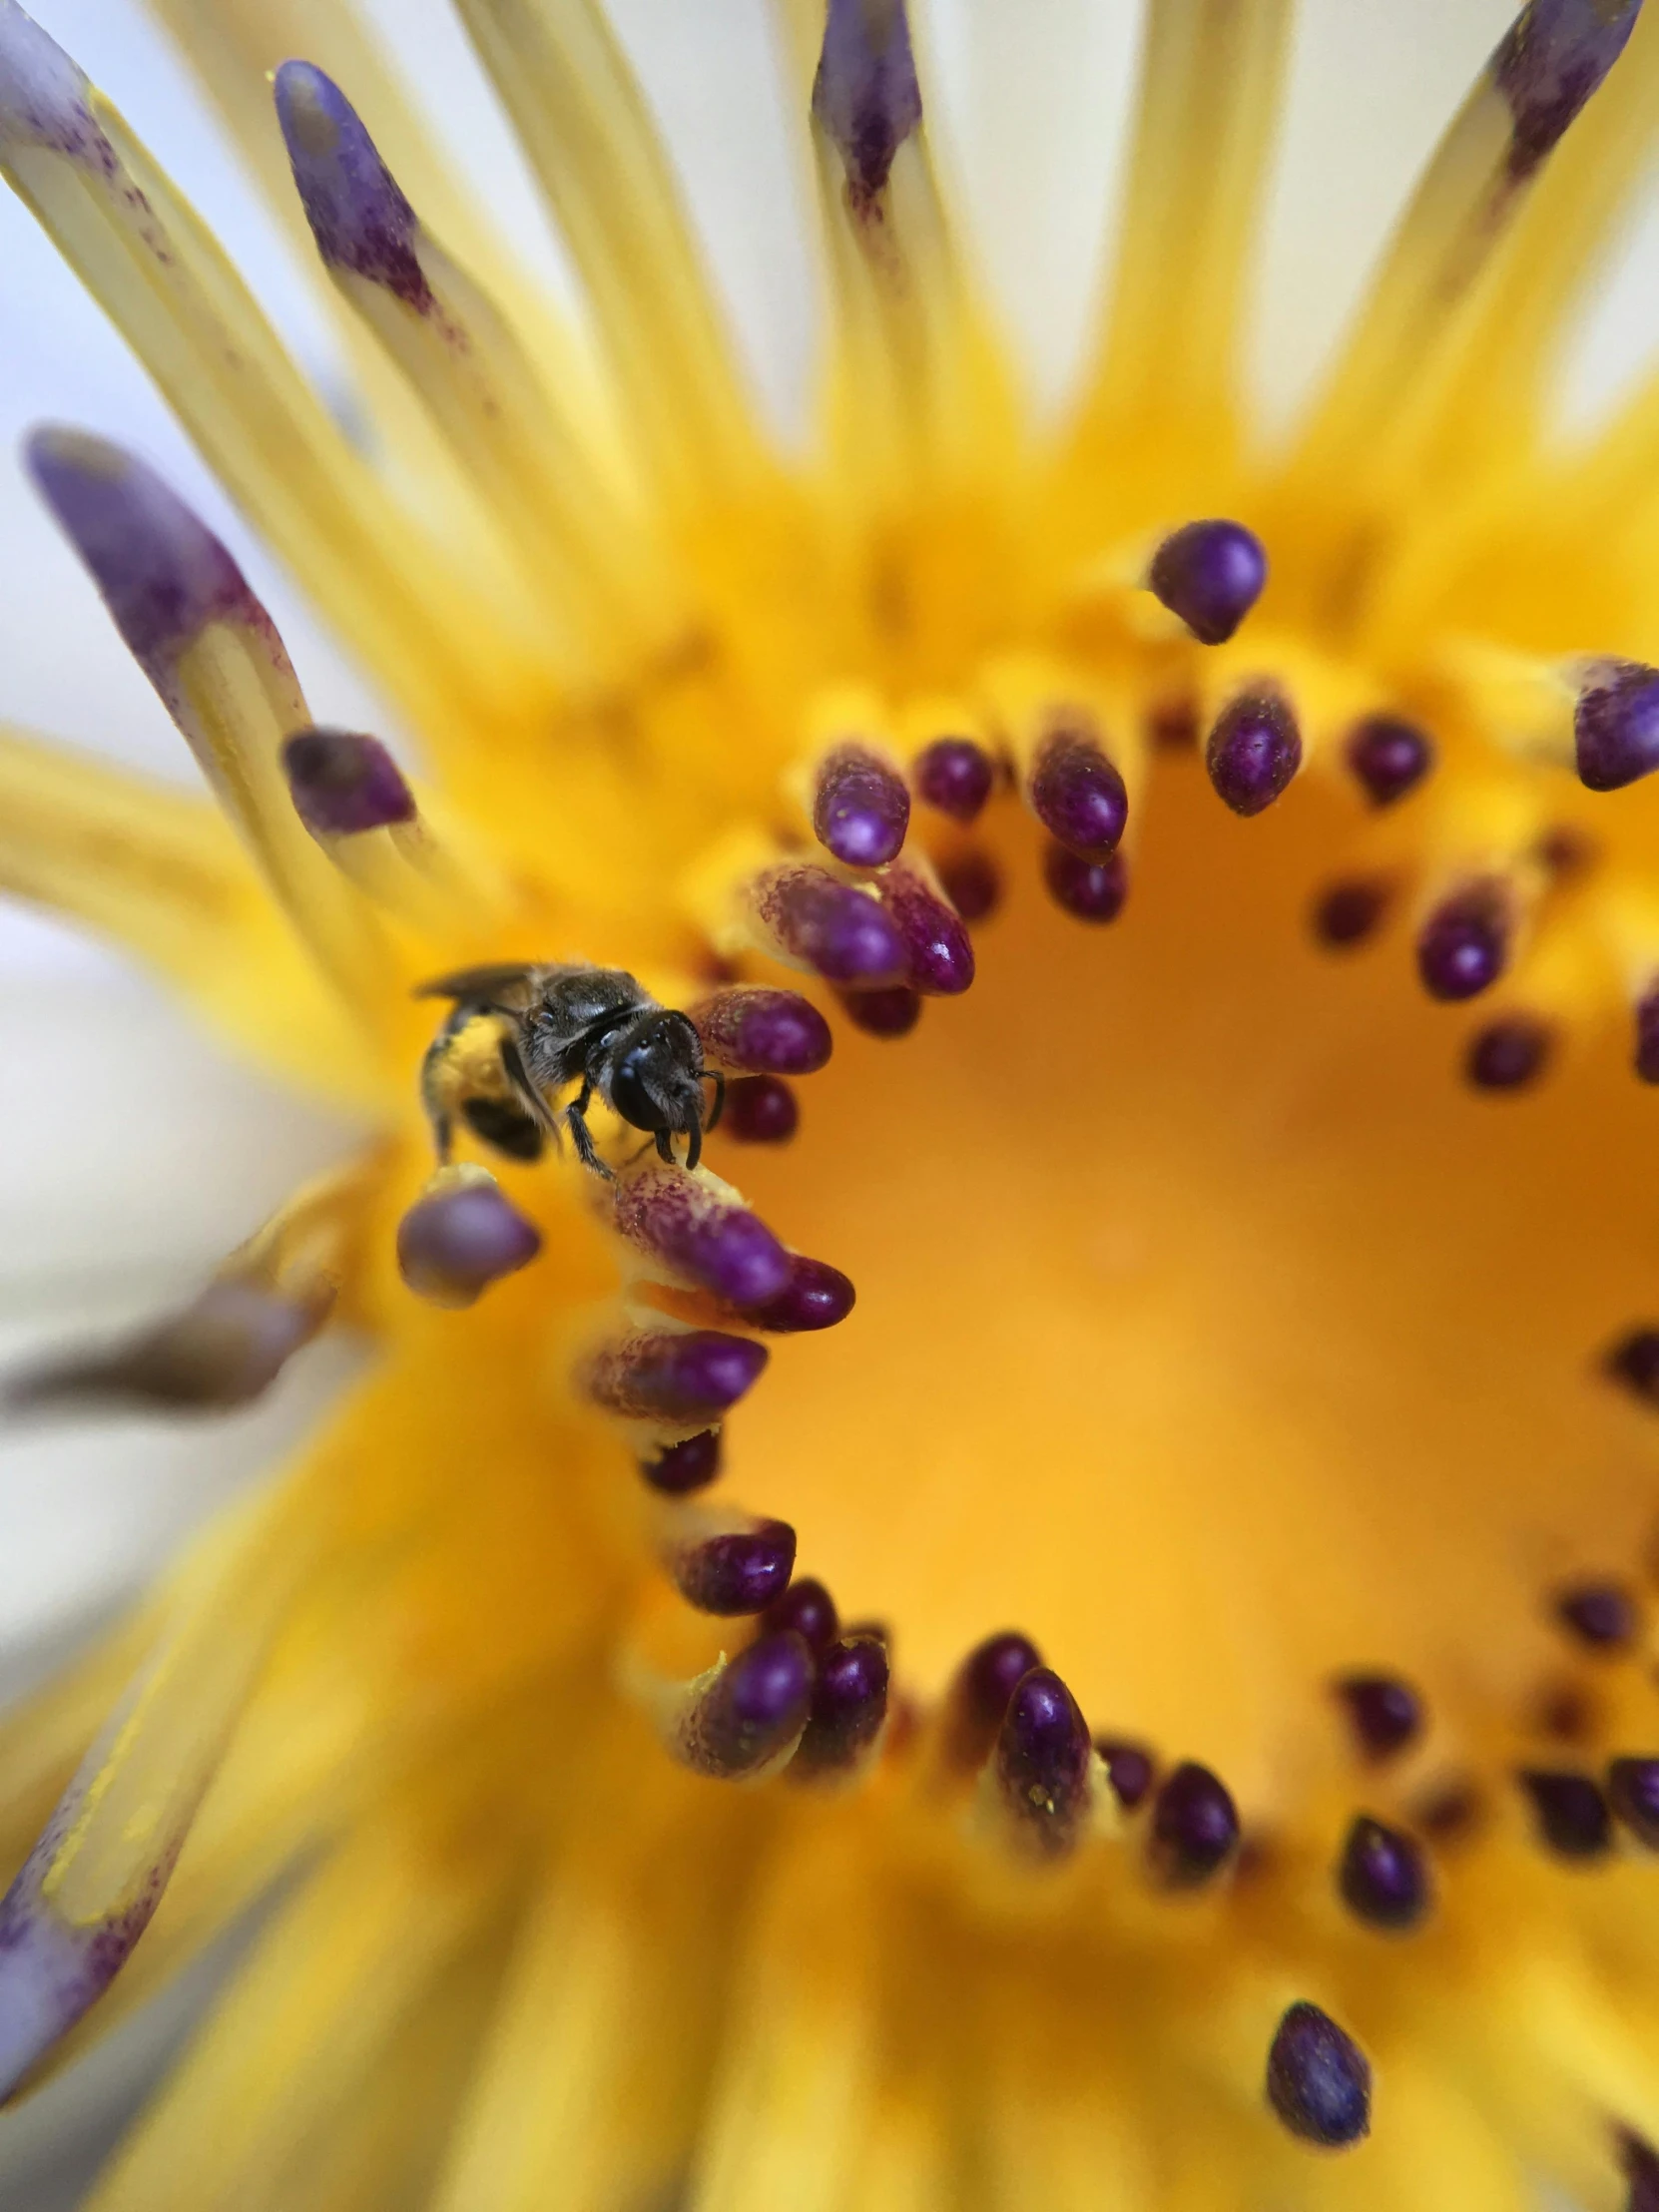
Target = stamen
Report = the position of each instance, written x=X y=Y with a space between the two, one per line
x=1633 y=1793
x=1389 y=757
x=1044 y=1763
x=736 y=1571
x=1319 y=2080
x=1383 y=1876
x=1385 y=1713
x=760 y=1109
x=756 y=1031
x=224 y=1349
x=1088 y=890
x=1603 y=1615
x=1349 y=914
x=1508 y=1055
x=808 y=1608
x=695 y=1227
x=1194 y=1826
x=1252 y=751
x=1549 y=62
x=1130 y=1768
x=690 y=1464
x=1076 y=793
x=954 y=775
x=1569 y=1810
x=1615 y=724
x=1634 y=1361
x=808 y=916
x=1464 y=946
x=978 y=1695
x=849 y=1704
x=972 y=884
x=866 y=95
x=860 y=806
x=460 y=1235
x=343 y=784
x=747 y=1713
x=816 y=1296
x=1210 y=574
x=358 y=217
x=684 y=1374
x=889 y=1013
x=938 y=944
x=1641 y=2169
x=1646 y=1057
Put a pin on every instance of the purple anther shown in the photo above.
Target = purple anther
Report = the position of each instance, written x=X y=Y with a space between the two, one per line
x=1131 y=1769
x=1634 y=1361
x=1389 y=757
x=454 y=1244
x=1385 y=1713
x=1043 y=1758
x=751 y=1713
x=937 y=941
x=1646 y=1056
x=1088 y=890
x=860 y=806
x=690 y=1464
x=1604 y=1616
x=760 y=1109
x=698 y=1234
x=1507 y=1056
x=1383 y=1876
x=1569 y=1811
x=972 y=884
x=358 y=217
x=754 y=1030
x=1615 y=726
x=816 y=1296
x=1464 y=946
x=808 y=1608
x=1194 y=1826
x=866 y=95
x=682 y=1375
x=842 y=931
x=979 y=1694
x=1346 y=913
x=345 y=783
x=224 y=1349
x=888 y=1013
x=1252 y=751
x=738 y=1571
x=1639 y=2164
x=1633 y=1793
x=1077 y=793
x=849 y=1703
x=45 y=99
x=1548 y=63
x=1210 y=574
x=1319 y=2080
x=955 y=776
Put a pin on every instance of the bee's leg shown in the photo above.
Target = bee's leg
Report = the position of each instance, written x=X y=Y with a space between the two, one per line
x=437 y=1112
x=719 y=1082
x=665 y=1149
x=581 y=1137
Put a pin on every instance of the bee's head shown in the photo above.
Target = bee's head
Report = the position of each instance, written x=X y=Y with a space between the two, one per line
x=657 y=1079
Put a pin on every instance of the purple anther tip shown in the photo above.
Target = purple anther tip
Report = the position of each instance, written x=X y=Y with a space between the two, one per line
x=1078 y=795
x=690 y=1464
x=1253 y=751
x=861 y=808
x=724 y=1248
x=1464 y=944
x=1508 y=1055
x=1385 y=1713
x=1389 y=758
x=1615 y=726
x=1633 y=1793
x=953 y=775
x=1195 y=1825
x=808 y=1608
x=1088 y=890
x=842 y=931
x=760 y=1109
x=1603 y=1616
x=849 y=1703
x=1131 y=1769
x=1345 y=914
x=1639 y=2164
x=972 y=882
x=676 y=1376
x=740 y=1572
x=1569 y=1811
x=358 y=217
x=865 y=94
x=225 y=1348
x=1043 y=1755
x=936 y=942
x=1634 y=1361
x=1383 y=1876
x=345 y=783
x=1645 y=1057
x=452 y=1246
x=816 y=1296
x=887 y=1013
x=1210 y=574
x=1547 y=65
x=984 y=1682
x=752 y=1711
x=758 y=1031
x=1319 y=2080
x=160 y=570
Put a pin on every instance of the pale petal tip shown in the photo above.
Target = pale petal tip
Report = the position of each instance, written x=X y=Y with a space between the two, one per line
x=43 y=94
x=358 y=217
x=865 y=94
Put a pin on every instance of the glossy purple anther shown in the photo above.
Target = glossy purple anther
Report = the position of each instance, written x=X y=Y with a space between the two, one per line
x=1464 y=946
x=866 y=95
x=979 y=1694
x=1043 y=1759
x=1088 y=890
x=682 y=1375
x=1131 y=1769
x=452 y=1245
x=345 y=783
x=756 y=1030
x=1383 y=1876
x=738 y=1571
x=690 y=1464
x=752 y=1712
x=1194 y=1826
x=1645 y=1058
x=1569 y=1811
x=1077 y=793
x=955 y=776
x=225 y=1348
x=1384 y=1714
x=1252 y=751
x=937 y=941
x=1603 y=1616
x=842 y=931
x=1633 y=1793
x=358 y=217
x=1347 y=913
x=860 y=806
x=816 y=1296
x=1615 y=726
x=849 y=1703
x=972 y=884
x=1549 y=62
x=701 y=1235
x=1389 y=757
x=1319 y=2080
x=888 y=1013
x=808 y=1608
x=1634 y=1361
x=1210 y=574
x=1507 y=1056
x=760 y=1109
x=1639 y=2164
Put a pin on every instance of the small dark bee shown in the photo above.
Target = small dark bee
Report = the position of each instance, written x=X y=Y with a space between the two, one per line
x=520 y=1033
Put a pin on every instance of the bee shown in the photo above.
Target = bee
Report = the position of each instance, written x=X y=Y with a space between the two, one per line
x=519 y=1033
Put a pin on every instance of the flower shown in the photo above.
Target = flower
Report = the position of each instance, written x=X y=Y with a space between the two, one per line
x=1292 y=1396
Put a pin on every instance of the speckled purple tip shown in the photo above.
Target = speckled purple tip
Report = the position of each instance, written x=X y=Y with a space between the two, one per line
x=936 y=942
x=808 y=1608
x=1508 y=1055
x=1633 y=1793
x=842 y=933
x=760 y=1109
x=45 y=99
x=1464 y=946
x=358 y=217
x=1385 y=1713
x=1602 y=1616
x=953 y=775
x=1547 y=65
x=1131 y=1769
x=1349 y=914
x=865 y=94
x=1319 y=2080
x=690 y=1464
x=1253 y=751
x=1389 y=758
x=702 y=1236
x=1088 y=890
x=1615 y=726
x=452 y=1246
x=979 y=1694
x=1210 y=574
x=1043 y=1760
x=675 y=1376
x=345 y=783
x=754 y=1709
x=1194 y=1826
x=816 y=1296
x=1077 y=793
x=1569 y=1812
x=849 y=1703
x=860 y=806
x=1634 y=1361
x=758 y=1031
x=740 y=1572
x=1383 y=1876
